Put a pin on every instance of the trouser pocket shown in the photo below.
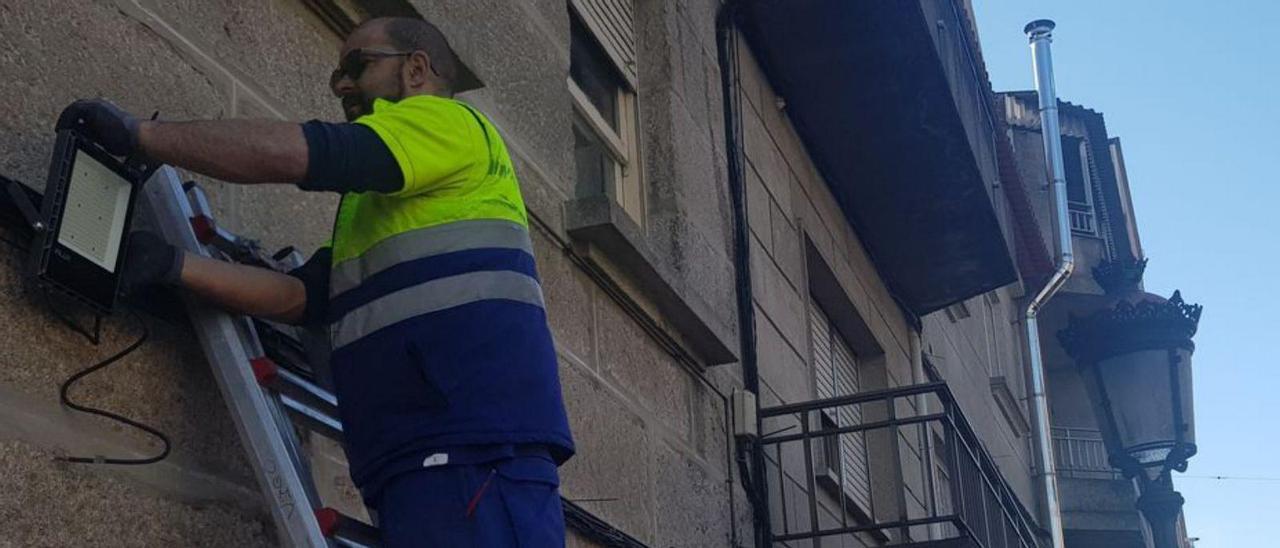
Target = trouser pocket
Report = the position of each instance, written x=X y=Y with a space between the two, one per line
x=529 y=488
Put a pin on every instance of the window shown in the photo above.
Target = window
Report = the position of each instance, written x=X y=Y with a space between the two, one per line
x=958 y=311
x=606 y=150
x=1075 y=163
x=842 y=458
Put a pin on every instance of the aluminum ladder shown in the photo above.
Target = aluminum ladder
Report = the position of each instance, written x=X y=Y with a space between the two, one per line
x=263 y=371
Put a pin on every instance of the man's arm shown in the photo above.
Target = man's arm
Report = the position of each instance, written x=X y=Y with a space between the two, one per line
x=246 y=289
x=314 y=155
x=299 y=297
x=237 y=151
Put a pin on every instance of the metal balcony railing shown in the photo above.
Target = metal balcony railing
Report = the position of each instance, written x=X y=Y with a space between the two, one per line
x=1079 y=453
x=931 y=479
x=1081 y=217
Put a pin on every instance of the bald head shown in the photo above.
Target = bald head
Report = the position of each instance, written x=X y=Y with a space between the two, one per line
x=413 y=34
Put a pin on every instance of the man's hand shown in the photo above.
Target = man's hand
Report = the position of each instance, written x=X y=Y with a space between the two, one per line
x=103 y=122
x=150 y=260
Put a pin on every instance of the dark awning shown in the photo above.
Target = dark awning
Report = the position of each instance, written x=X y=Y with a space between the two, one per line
x=867 y=91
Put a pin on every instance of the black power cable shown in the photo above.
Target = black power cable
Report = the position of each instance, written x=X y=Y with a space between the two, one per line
x=93 y=337
x=66 y=400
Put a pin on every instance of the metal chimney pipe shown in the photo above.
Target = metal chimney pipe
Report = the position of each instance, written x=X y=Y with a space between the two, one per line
x=1040 y=32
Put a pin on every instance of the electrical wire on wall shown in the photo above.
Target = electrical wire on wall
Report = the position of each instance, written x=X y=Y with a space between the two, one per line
x=64 y=391
x=65 y=398
x=750 y=458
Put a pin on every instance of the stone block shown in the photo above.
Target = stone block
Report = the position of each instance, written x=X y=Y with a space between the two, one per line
x=166 y=383
x=504 y=42
x=543 y=198
x=90 y=49
x=688 y=186
x=522 y=56
x=658 y=126
x=51 y=504
x=716 y=441
x=279 y=47
x=787 y=248
x=715 y=436
x=759 y=204
x=763 y=154
x=912 y=472
x=699 y=90
x=700 y=17
x=796 y=509
x=642 y=370
x=707 y=201
x=694 y=502
x=533 y=118
x=782 y=366
x=282 y=215
x=755 y=87
x=569 y=297
x=612 y=241
x=778 y=123
x=574 y=539
x=774 y=491
x=776 y=298
x=708 y=282
x=684 y=170
x=830 y=517
x=612 y=465
x=657 y=52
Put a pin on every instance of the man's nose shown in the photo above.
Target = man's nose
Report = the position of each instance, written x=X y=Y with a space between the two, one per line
x=342 y=85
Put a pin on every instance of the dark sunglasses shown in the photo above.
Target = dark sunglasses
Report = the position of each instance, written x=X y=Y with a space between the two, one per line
x=355 y=61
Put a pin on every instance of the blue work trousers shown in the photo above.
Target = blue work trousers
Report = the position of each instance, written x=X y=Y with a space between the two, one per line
x=512 y=502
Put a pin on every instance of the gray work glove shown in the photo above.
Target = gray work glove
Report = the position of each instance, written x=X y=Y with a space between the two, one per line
x=104 y=123
x=149 y=260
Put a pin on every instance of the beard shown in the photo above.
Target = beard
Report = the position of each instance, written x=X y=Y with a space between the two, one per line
x=357 y=104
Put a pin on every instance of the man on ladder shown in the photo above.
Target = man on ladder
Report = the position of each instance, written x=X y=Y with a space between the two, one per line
x=442 y=359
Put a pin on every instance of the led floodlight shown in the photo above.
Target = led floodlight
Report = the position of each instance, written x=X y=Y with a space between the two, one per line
x=86 y=214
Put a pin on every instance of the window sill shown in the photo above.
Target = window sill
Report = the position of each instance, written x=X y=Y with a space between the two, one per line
x=610 y=236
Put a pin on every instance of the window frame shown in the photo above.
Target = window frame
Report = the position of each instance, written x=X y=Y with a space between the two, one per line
x=1086 y=211
x=621 y=145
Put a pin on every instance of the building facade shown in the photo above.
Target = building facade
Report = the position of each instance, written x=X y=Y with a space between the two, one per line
x=1098 y=502
x=820 y=204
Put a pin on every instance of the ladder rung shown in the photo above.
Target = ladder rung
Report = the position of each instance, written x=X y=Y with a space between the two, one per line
x=325 y=425
x=284 y=381
x=284 y=397
x=239 y=249
x=351 y=531
x=286 y=350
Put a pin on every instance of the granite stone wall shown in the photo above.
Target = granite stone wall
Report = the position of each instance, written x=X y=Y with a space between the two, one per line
x=648 y=414
x=647 y=407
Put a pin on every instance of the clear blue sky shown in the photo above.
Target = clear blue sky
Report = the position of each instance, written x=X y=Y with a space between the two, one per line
x=1190 y=88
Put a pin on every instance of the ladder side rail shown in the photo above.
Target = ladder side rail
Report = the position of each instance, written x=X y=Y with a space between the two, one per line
x=254 y=413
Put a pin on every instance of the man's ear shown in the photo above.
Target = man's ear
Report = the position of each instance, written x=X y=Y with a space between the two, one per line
x=418 y=68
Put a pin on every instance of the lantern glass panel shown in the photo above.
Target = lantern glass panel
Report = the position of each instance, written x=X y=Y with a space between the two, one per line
x=1142 y=396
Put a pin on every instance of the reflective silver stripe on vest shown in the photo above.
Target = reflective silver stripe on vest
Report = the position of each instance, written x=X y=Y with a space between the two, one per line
x=425 y=242
x=434 y=296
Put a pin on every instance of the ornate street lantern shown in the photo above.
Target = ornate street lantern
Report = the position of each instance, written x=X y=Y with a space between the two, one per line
x=1134 y=356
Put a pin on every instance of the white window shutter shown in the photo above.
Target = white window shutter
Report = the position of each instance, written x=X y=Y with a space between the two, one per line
x=836 y=374
x=824 y=372
x=613 y=24
x=853 y=447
